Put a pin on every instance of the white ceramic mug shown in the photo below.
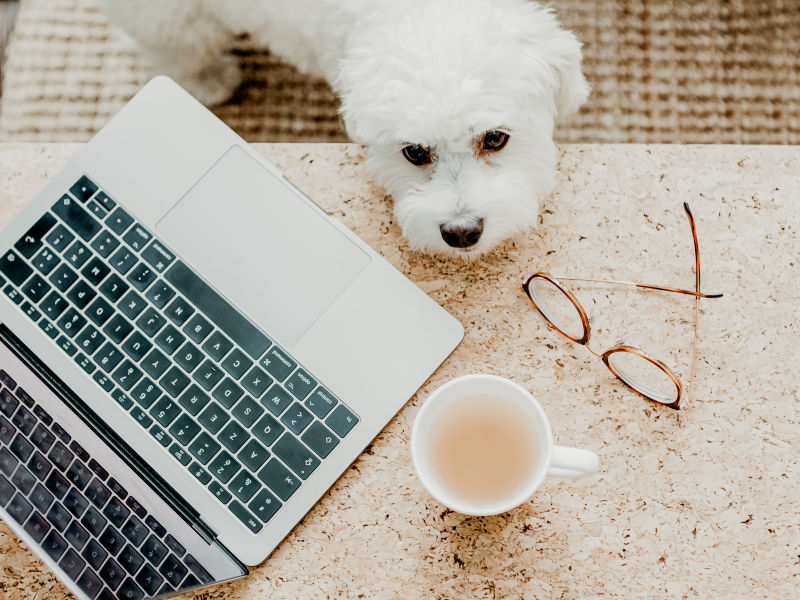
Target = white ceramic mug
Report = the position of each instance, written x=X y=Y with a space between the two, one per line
x=553 y=460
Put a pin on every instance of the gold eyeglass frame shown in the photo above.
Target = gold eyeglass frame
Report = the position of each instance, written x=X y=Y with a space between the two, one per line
x=584 y=339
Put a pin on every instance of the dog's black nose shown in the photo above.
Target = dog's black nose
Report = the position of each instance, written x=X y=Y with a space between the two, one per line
x=462 y=236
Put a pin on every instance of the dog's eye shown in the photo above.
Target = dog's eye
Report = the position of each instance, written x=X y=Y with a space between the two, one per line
x=417 y=155
x=494 y=140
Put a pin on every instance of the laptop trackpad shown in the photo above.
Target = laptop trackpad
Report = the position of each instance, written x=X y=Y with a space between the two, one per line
x=262 y=246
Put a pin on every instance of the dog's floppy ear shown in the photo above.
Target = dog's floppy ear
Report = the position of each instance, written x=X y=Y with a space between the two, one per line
x=560 y=51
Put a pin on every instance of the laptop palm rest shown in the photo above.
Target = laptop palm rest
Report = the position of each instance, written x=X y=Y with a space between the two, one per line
x=275 y=255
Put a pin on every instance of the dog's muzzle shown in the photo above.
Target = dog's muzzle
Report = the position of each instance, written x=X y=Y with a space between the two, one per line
x=462 y=236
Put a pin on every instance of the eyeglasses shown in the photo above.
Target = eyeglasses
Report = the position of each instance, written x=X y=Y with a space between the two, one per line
x=642 y=373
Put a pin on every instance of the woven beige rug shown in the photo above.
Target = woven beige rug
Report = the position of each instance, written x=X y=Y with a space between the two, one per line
x=662 y=71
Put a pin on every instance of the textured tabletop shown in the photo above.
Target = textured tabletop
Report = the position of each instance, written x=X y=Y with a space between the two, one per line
x=698 y=503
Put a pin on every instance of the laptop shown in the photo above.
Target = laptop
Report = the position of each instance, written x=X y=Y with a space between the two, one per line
x=191 y=353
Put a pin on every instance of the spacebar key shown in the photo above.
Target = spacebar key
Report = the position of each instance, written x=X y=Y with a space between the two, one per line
x=218 y=310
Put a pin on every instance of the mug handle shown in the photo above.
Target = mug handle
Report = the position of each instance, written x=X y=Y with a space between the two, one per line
x=572 y=462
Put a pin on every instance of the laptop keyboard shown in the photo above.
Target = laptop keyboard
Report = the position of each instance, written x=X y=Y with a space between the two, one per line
x=83 y=519
x=230 y=405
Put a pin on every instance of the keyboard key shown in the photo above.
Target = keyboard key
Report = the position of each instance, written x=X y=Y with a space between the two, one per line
x=160 y=435
x=174 y=382
x=267 y=430
x=159 y=294
x=99 y=311
x=200 y=473
x=279 y=479
x=79 y=474
x=63 y=277
x=58 y=516
x=68 y=347
x=79 y=451
x=130 y=559
x=141 y=417
x=97 y=469
x=149 y=579
x=54 y=545
x=117 y=489
x=36 y=288
x=76 y=535
x=81 y=294
x=114 y=287
x=97 y=493
x=178 y=311
x=223 y=467
x=6 y=431
x=300 y=384
x=158 y=256
x=169 y=340
x=341 y=420
x=173 y=570
x=245 y=517
x=40 y=413
x=227 y=392
x=129 y=590
x=233 y=436
x=278 y=364
x=94 y=553
x=61 y=433
x=141 y=276
x=90 y=584
x=264 y=505
x=296 y=456
x=42 y=438
x=256 y=382
x=77 y=254
x=7 y=380
x=203 y=575
x=184 y=429
x=320 y=439
x=189 y=357
x=40 y=466
x=32 y=240
x=111 y=573
x=57 y=484
x=193 y=399
x=244 y=486
x=13 y=267
x=119 y=221
x=217 y=346
x=24 y=420
x=60 y=456
x=60 y=238
x=213 y=417
x=71 y=322
x=165 y=411
x=13 y=294
x=118 y=328
x=53 y=305
x=37 y=526
x=41 y=498
x=207 y=375
x=126 y=375
x=7 y=490
x=137 y=237
x=75 y=503
x=136 y=346
x=155 y=526
x=45 y=261
x=76 y=218
x=247 y=411
x=180 y=454
x=253 y=455
x=150 y=322
x=24 y=480
x=297 y=418
x=105 y=201
x=104 y=244
x=111 y=540
x=72 y=564
x=220 y=492
x=135 y=531
x=217 y=309
x=154 y=551
x=155 y=363
x=108 y=357
x=19 y=509
x=198 y=328
x=103 y=381
x=83 y=189
x=204 y=448
x=21 y=448
x=236 y=363
x=89 y=340
x=8 y=403
x=31 y=311
x=95 y=271
x=321 y=402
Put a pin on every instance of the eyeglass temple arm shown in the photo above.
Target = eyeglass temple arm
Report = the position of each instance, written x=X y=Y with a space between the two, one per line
x=648 y=286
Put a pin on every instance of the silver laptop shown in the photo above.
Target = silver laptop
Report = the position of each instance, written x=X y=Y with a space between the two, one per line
x=191 y=353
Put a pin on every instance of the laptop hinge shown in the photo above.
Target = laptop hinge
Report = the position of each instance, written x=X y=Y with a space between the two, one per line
x=204 y=530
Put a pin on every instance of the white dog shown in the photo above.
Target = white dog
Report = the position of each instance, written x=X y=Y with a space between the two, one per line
x=455 y=100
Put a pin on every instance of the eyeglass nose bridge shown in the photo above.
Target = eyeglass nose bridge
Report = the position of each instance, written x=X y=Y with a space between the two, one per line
x=584 y=339
x=675 y=404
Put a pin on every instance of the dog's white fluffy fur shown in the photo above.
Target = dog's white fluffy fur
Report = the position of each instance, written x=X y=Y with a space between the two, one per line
x=432 y=73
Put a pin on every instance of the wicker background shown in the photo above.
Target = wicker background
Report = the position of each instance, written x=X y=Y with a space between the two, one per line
x=661 y=71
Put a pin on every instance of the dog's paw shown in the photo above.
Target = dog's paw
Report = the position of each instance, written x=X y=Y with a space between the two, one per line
x=217 y=82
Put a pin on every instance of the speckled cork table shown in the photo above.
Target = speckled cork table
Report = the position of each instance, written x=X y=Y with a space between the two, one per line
x=699 y=503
